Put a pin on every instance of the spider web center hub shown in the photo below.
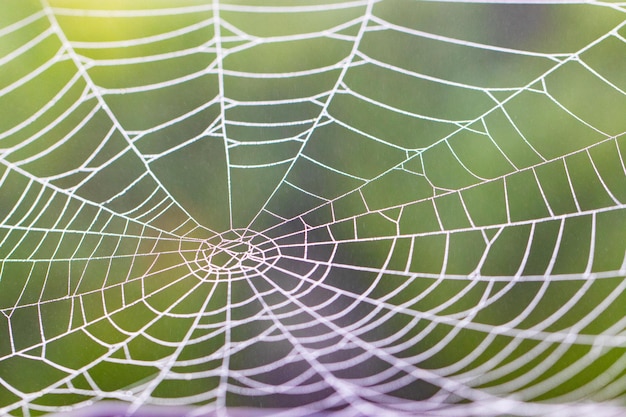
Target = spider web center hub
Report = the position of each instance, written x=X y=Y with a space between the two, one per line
x=234 y=254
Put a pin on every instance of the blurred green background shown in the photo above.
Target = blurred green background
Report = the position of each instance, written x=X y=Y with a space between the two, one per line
x=445 y=182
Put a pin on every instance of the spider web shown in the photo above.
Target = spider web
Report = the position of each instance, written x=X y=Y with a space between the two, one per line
x=367 y=208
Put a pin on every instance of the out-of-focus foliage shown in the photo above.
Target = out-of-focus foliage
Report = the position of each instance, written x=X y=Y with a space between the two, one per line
x=433 y=194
